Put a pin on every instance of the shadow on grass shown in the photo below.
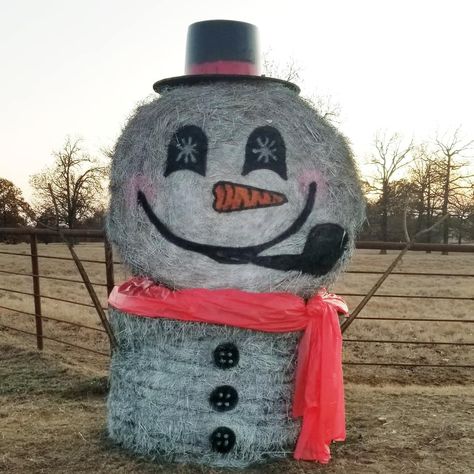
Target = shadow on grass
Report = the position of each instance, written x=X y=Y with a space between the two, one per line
x=26 y=373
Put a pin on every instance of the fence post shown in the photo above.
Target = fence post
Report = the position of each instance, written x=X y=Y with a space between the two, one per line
x=36 y=290
x=109 y=265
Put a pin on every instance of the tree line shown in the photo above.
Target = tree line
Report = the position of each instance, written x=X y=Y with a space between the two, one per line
x=69 y=194
x=411 y=185
x=408 y=187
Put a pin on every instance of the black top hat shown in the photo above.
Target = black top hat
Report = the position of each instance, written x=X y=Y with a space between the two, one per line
x=219 y=50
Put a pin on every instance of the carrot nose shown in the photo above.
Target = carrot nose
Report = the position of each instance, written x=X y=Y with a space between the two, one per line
x=229 y=197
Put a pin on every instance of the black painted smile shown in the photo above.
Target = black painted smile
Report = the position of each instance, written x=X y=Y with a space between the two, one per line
x=324 y=246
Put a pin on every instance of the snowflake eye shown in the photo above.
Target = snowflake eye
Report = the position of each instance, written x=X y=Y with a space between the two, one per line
x=187 y=150
x=265 y=150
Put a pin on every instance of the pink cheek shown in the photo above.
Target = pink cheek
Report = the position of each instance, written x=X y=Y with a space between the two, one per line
x=308 y=177
x=137 y=183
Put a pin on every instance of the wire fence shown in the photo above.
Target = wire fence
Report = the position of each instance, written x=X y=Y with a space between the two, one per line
x=37 y=296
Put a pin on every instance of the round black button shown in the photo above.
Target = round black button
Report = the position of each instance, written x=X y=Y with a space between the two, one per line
x=224 y=398
x=226 y=355
x=222 y=439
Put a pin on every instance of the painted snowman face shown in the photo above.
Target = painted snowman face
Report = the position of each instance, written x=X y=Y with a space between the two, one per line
x=234 y=186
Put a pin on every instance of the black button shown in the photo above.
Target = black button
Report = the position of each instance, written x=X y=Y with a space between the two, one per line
x=222 y=439
x=224 y=398
x=226 y=355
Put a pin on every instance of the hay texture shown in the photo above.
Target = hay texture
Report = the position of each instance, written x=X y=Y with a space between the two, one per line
x=228 y=113
x=163 y=372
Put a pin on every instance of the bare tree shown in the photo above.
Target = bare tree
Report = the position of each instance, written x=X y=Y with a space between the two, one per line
x=290 y=71
x=463 y=211
x=426 y=185
x=392 y=154
x=73 y=185
x=451 y=161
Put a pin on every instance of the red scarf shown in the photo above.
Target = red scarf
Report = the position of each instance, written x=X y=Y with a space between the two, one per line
x=319 y=389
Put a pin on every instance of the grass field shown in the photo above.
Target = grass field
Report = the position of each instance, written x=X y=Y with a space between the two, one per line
x=399 y=420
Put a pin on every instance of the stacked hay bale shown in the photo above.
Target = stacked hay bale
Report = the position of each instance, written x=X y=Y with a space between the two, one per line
x=214 y=393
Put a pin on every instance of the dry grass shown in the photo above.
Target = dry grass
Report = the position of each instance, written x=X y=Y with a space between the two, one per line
x=399 y=420
x=350 y=283
x=53 y=418
x=412 y=308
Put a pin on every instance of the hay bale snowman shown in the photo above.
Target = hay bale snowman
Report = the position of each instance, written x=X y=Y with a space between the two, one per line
x=234 y=204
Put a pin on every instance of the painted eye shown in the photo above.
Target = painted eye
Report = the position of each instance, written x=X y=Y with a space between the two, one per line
x=187 y=150
x=265 y=149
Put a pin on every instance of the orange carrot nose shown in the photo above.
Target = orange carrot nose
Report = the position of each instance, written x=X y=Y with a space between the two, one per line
x=229 y=197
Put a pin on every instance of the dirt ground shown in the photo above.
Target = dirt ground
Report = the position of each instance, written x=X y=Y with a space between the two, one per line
x=52 y=420
x=399 y=420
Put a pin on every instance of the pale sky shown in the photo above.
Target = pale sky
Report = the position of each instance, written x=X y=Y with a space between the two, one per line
x=78 y=67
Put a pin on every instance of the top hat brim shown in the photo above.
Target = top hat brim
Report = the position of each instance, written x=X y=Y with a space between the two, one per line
x=194 y=79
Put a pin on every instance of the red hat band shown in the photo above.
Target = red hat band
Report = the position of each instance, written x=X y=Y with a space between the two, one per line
x=223 y=67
